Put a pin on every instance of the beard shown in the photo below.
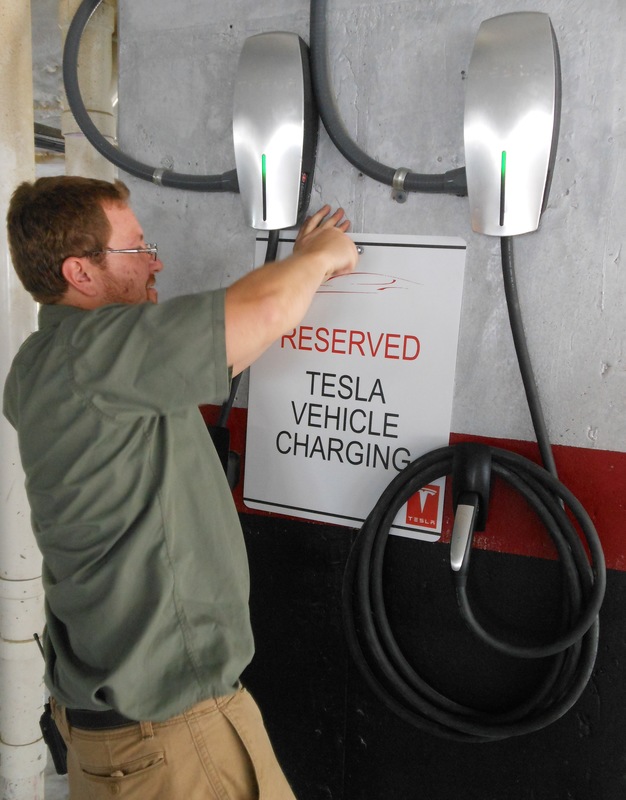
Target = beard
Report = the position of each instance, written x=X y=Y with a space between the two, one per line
x=127 y=291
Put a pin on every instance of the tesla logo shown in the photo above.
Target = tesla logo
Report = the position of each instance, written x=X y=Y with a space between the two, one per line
x=423 y=507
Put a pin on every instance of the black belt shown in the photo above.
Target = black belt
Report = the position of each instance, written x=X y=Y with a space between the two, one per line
x=97 y=720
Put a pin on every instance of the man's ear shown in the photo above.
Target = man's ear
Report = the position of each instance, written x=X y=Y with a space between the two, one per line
x=78 y=272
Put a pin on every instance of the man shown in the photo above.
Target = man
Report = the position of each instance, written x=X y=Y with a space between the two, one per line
x=144 y=565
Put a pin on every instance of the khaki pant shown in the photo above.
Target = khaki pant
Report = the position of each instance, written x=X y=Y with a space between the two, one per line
x=218 y=750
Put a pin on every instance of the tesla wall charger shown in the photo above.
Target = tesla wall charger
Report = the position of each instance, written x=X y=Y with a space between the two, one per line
x=275 y=126
x=512 y=111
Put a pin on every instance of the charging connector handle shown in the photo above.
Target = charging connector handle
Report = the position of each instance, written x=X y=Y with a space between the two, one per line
x=463 y=533
x=471 y=487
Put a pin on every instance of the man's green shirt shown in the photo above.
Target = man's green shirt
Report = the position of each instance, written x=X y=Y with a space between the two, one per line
x=144 y=564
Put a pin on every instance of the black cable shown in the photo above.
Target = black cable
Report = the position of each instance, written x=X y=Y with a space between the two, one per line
x=451 y=182
x=227 y=182
x=523 y=356
x=569 y=657
x=270 y=255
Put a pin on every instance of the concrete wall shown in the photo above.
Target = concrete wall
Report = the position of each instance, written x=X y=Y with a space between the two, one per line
x=399 y=71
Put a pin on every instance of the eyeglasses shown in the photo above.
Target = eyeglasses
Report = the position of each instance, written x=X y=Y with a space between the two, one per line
x=149 y=248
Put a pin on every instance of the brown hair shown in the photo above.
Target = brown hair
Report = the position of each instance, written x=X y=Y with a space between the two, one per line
x=54 y=218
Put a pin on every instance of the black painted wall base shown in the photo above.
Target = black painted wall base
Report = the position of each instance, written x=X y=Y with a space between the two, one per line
x=337 y=741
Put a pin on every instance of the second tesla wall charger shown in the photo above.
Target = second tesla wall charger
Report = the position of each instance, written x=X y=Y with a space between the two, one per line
x=512 y=110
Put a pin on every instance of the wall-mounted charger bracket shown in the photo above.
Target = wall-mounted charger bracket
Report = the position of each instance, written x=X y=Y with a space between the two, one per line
x=275 y=125
x=512 y=112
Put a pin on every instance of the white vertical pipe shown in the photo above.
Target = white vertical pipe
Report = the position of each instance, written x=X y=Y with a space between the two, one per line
x=96 y=78
x=22 y=751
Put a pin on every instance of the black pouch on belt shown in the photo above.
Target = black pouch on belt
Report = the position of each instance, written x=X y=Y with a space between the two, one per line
x=54 y=740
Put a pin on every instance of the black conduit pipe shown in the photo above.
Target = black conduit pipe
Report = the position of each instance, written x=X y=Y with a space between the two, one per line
x=451 y=182
x=227 y=182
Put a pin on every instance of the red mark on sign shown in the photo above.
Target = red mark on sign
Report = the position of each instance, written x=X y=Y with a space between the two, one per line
x=422 y=508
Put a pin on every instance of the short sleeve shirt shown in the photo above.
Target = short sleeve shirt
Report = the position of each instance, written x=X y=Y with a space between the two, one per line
x=144 y=563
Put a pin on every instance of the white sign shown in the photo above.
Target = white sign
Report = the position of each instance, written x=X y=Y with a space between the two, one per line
x=362 y=387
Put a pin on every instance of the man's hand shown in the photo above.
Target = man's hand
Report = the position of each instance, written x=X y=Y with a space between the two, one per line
x=273 y=298
x=324 y=234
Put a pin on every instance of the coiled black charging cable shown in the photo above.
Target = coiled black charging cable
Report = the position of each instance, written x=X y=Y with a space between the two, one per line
x=570 y=657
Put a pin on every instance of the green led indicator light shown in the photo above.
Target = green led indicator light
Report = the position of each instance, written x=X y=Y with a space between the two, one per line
x=502 y=186
x=264 y=185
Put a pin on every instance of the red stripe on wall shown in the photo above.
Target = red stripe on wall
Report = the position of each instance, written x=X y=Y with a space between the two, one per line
x=596 y=477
